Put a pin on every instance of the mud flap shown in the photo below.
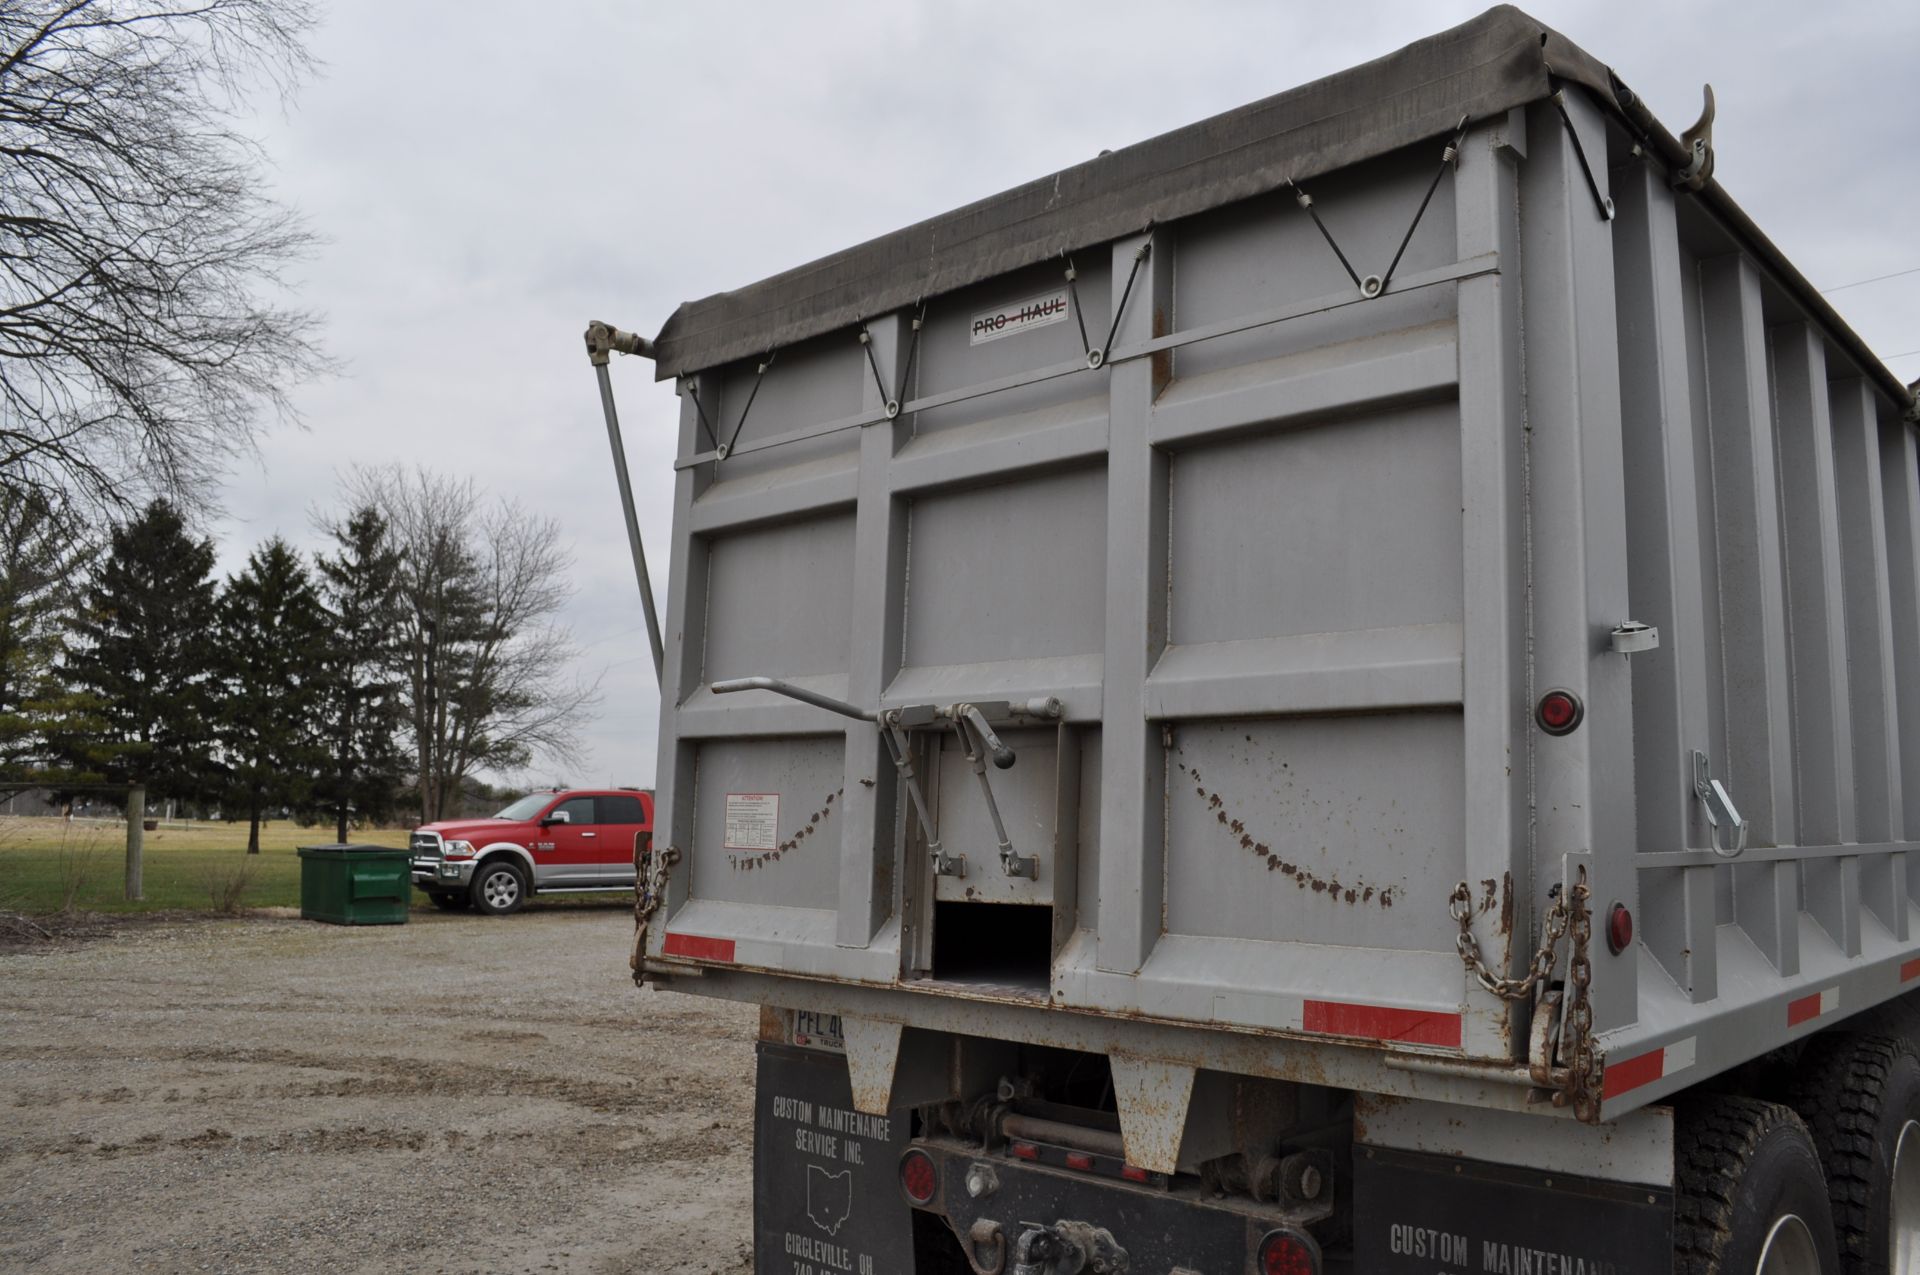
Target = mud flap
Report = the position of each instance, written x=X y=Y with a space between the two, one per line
x=826 y=1185
x=1422 y=1214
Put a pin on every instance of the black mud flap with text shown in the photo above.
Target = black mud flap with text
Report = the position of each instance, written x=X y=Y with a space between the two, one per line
x=1421 y=1214
x=826 y=1179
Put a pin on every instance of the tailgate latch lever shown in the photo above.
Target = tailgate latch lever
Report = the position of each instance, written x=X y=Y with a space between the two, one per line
x=969 y=722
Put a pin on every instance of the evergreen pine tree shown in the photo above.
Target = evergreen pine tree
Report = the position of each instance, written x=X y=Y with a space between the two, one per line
x=271 y=663
x=139 y=651
x=364 y=707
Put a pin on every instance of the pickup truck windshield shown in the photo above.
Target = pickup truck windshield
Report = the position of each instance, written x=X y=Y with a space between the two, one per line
x=525 y=808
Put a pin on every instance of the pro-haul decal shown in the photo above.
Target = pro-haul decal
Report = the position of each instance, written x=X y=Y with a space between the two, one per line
x=1019 y=316
x=753 y=821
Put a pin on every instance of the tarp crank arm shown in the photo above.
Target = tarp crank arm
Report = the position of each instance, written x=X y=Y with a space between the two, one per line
x=602 y=341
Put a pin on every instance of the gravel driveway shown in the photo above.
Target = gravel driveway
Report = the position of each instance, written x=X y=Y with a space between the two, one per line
x=457 y=1094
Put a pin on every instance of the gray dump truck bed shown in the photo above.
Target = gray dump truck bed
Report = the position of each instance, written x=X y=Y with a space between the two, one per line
x=1256 y=485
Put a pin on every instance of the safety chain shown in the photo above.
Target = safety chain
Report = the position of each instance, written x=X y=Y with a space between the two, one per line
x=650 y=888
x=1538 y=970
x=1576 y=1022
x=1569 y=916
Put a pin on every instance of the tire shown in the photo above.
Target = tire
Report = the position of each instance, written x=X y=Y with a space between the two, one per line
x=450 y=901
x=1860 y=1098
x=1750 y=1198
x=499 y=887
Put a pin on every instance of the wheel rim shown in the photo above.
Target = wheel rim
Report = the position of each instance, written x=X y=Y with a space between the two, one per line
x=501 y=889
x=1903 y=1206
x=1789 y=1249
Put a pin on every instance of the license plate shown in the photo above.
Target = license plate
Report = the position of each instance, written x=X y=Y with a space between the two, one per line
x=817 y=1030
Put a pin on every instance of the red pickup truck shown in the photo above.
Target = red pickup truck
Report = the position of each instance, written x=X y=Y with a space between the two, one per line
x=569 y=841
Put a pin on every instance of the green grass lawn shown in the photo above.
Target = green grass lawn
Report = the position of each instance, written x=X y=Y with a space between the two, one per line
x=183 y=867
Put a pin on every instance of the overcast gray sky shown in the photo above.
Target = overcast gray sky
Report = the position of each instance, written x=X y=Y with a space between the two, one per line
x=490 y=176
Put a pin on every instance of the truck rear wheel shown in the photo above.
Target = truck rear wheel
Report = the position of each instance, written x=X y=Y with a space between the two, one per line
x=1750 y=1195
x=499 y=887
x=1860 y=1098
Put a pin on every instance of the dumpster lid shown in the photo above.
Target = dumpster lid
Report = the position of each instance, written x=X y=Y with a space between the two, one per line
x=1482 y=68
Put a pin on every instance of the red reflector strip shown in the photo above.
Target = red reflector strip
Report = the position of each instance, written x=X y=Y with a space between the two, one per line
x=1909 y=970
x=697 y=947
x=1024 y=1150
x=1630 y=1073
x=1378 y=1022
x=1133 y=1174
x=1079 y=1160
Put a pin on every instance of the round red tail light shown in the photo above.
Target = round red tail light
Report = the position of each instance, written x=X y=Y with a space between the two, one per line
x=1619 y=928
x=1559 y=712
x=918 y=1178
x=1289 y=1253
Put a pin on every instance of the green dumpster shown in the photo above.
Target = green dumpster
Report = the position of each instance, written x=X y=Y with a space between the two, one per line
x=355 y=885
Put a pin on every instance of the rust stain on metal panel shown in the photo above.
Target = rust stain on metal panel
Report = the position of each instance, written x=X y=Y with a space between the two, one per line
x=1161 y=361
x=760 y=859
x=1304 y=878
x=1382 y=1103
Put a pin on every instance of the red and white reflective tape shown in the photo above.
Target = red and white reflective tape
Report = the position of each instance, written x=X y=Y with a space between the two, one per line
x=1813 y=1005
x=1643 y=1069
x=1910 y=970
x=1381 y=1022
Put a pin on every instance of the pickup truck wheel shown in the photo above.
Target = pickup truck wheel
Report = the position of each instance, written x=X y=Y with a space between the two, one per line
x=499 y=887
x=1860 y=1097
x=1751 y=1199
x=449 y=900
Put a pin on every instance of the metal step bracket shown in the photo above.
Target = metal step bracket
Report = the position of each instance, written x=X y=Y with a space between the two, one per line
x=1722 y=814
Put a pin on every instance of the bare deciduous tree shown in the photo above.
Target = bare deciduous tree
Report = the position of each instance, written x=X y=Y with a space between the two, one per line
x=135 y=234
x=483 y=579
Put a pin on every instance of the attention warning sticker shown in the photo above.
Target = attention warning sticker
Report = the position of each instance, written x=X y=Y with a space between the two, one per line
x=753 y=820
x=1019 y=316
